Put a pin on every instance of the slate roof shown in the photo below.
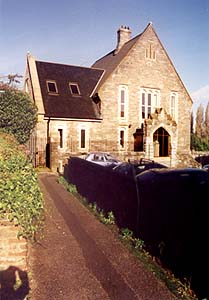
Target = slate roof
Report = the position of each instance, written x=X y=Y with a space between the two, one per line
x=64 y=104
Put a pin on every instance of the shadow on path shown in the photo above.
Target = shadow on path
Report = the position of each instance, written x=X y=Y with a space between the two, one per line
x=14 y=284
x=96 y=261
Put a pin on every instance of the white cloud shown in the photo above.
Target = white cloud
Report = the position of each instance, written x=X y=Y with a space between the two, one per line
x=200 y=96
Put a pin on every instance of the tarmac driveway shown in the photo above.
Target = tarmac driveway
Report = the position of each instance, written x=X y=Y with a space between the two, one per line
x=79 y=258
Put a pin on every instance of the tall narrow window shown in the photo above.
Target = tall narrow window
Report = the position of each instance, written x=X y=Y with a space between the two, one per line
x=149 y=105
x=60 y=137
x=155 y=102
x=150 y=100
x=123 y=102
x=173 y=104
x=83 y=138
x=143 y=106
x=122 y=141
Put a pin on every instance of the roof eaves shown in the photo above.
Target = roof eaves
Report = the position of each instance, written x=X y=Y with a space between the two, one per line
x=98 y=82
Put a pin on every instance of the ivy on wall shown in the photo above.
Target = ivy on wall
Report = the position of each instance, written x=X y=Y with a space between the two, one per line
x=20 y=196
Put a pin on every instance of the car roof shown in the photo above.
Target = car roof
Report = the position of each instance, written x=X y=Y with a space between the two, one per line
x=173 y=172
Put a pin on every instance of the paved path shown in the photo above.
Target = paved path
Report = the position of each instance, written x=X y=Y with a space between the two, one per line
x=79 y=258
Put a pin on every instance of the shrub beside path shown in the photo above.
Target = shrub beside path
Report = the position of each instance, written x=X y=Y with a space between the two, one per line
x=79 y=258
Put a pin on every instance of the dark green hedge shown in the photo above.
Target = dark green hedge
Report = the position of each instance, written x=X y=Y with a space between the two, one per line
x=18 y=114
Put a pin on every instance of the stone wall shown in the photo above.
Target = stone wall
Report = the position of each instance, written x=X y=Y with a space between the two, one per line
x=135 y=72
x=13 y=250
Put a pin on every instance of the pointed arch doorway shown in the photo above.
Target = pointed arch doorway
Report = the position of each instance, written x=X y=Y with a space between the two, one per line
x=163 y=138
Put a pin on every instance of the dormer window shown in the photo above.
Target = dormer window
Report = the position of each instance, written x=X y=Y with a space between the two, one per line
x=52 y=87
x=74 y=89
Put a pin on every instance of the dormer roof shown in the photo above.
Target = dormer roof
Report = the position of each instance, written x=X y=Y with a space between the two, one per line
x=67 y=90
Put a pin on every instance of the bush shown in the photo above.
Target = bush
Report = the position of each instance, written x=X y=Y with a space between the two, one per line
x=18 y=114
x=20 y=196
x=199 y=144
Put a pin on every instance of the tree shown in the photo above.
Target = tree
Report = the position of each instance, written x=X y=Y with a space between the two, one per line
x=10 y=81
x=18 y=114
x=199 y=122
x=207 y=122
x=192 y=123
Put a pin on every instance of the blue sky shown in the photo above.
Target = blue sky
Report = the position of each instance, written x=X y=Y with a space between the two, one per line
x=79 y=32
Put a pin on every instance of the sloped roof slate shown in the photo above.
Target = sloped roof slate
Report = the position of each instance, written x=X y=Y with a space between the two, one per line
x=110 y=61
x=64 y=104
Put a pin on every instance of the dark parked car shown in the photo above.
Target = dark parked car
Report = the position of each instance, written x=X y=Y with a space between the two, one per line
x=102 y=158
x=173 y=220
x=136 y=167
x=206 y=167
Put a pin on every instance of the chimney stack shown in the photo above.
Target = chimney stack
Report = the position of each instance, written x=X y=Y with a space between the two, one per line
x=124 y=35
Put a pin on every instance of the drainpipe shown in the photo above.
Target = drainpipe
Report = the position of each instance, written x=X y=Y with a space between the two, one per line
x=48 y=150
x=47 y=132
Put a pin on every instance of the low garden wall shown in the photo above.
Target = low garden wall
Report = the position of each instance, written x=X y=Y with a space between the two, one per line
x=13 y=250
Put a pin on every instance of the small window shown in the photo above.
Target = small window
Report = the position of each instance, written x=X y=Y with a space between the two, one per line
x=122 y=141
x=83 y=138
x=52 y=87
x=74 y=89
x=60 y=137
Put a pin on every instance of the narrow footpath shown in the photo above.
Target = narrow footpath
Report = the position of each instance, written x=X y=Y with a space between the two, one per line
x=79 y=258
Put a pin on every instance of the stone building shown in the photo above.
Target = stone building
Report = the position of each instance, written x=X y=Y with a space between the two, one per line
x=131 y=102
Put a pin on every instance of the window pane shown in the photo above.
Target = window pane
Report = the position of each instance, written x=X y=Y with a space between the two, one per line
x=52 y=87
x=149 y=111
x=172 y=101
x=149 y=100
x=143 y=98
x=83 y=138
x=155 y=100
x=74 y=89
x=60 y=138
x=122 y=96
x=122 y=103
x=122 y=110
x=122 y=138
x=143 y=112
